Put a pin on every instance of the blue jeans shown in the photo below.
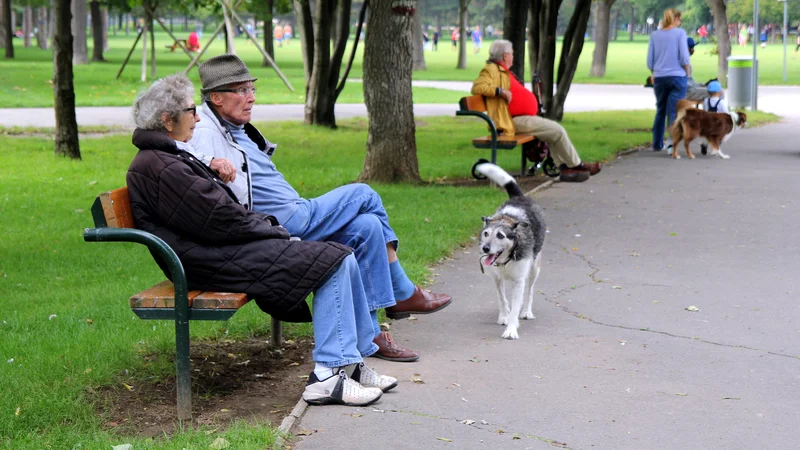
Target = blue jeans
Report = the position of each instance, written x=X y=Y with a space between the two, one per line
x=343 y=329
x=352 y=215
x=668 y=91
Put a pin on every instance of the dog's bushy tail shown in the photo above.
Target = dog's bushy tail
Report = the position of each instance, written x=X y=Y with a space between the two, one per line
x=675 y=129
x=502 y=178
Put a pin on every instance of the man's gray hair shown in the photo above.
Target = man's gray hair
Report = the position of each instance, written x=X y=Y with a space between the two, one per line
x=497 y=49
x=168 y=95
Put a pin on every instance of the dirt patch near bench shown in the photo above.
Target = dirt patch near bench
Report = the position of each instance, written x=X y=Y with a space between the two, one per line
x=230 y=380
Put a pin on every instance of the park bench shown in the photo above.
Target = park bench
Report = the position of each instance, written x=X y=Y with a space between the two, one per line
x=475 y=105
x=113 y=222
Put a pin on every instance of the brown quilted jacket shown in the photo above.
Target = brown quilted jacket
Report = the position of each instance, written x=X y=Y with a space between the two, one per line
x=223 y=246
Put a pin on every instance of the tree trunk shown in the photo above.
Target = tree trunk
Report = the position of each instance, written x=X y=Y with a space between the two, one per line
x=615 y=25
x=51 y=20
x=632 y=24
x=269 y=43
x=66 y=125
x=514 y=22
x=720 y=12
x=9 y=33
x=41 y=27
x=317 y=109
x=127 y=25
x=601 y=38
x=230 y=46
x=391 y=145
x=104 y=15
x=27 y=25
x=97 y=31
x=305 y=26
x=3 y=23
x=544 y=22
x=418 y=60
x=462 y=34
x=80 y=53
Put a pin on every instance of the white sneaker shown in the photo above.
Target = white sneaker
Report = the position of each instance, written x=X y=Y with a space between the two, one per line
x=339 y=390
x=367 y=376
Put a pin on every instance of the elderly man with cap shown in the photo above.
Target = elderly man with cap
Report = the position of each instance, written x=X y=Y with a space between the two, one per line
x=352 y=214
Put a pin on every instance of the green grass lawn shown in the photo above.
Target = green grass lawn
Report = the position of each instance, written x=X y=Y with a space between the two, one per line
x=27 y=78
x=65 y=325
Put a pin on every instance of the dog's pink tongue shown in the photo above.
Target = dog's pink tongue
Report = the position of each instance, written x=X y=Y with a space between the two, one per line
x=489 y=260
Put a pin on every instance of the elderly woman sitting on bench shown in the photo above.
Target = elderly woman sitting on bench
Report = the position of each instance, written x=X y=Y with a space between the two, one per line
x=514 y=109
x=225 y=247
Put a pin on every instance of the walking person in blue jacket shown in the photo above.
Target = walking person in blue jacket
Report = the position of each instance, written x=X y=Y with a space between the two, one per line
x=668 y=61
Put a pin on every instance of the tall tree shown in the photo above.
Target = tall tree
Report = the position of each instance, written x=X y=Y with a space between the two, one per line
x=27 y=25
x=542 y=36
x=602 y=36
x=66 y=125
x=720 y=13
x=331 y=22
x=41 y=27
x=8 y=29
x=80 y=51
x=97 y=31
x=418 y=60
x=514 y=20
x=391 y=144
x=463 y=6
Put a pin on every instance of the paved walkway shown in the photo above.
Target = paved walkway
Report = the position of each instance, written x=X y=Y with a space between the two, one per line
x=614 y=360
x=582 y=97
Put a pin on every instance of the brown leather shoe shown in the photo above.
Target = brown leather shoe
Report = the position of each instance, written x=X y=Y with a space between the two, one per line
x=574 y=175
x=421 y=302
x=594 y=168
x=390 y=351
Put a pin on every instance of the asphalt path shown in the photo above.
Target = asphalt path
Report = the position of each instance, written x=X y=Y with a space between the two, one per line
x=780 y=100
x=614 y=359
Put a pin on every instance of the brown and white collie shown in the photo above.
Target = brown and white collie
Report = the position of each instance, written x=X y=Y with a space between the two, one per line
x=715 y=128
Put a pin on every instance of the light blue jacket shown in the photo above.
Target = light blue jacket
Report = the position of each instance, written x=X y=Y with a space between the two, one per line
x=667 y=53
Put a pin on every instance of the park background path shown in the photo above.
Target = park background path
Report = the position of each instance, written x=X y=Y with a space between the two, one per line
x=781 y=100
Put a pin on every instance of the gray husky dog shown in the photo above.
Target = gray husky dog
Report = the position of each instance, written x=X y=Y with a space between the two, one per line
x=511 y=247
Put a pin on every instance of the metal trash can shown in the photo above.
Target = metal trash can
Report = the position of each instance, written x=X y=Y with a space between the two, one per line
x=740 y=81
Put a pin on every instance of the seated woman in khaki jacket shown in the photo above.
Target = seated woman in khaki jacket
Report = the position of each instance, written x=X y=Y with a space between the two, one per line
x=514 y=110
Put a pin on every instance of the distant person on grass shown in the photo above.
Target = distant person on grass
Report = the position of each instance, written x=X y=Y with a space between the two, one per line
x=226 y=247
x=352 y=214
x=514 y=109
x=668 y=61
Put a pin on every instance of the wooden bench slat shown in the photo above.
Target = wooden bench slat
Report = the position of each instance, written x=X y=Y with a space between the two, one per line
x=505 y=142
x=473 y=103
x=161 y=295
x=219 y=300
x=117 y=208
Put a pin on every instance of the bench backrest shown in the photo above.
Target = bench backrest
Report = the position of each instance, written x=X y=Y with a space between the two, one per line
x=113 y=209
x=472 y=103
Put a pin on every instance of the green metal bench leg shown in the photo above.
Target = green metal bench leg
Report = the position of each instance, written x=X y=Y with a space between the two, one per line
x=276 y=333
x=522 y=168
x=184 y=370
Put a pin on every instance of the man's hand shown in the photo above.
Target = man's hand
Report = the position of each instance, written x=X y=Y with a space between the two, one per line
x=506 y=94
x=225 y=169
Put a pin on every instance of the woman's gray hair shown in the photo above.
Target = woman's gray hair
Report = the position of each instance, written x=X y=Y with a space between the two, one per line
x=168 y=95
x=497 y=49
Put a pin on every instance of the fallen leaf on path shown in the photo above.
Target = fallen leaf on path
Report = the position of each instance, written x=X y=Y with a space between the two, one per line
x=417 y=379
x=731 y=398
x=467 y=422
x=128 y=386
x=682 y=394
x=304 y=432
x=692 y=308
x=444 y=439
